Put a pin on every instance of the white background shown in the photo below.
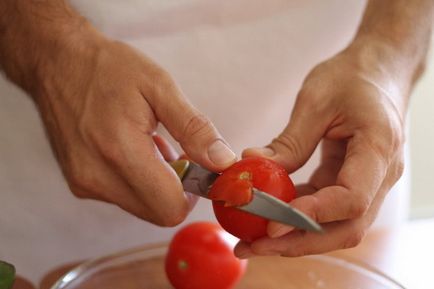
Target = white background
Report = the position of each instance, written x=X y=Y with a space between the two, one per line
x=421 y=140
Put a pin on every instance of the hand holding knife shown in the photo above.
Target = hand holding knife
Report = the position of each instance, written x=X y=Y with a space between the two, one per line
x=198 y=180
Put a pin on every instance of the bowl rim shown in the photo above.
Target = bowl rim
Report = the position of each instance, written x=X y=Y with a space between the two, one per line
x=87 y=266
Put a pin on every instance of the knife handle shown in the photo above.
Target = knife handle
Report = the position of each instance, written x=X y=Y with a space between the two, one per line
x=180 y=167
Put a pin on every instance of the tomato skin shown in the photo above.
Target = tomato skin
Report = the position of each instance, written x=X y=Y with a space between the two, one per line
x=201 y=256
x=240 y=183
x=267 y=176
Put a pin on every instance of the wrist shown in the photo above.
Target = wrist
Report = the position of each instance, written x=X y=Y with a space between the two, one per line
x=394 y=35
x=390 y=60
x=386 y=67
x=60 y=61
x=37 y=39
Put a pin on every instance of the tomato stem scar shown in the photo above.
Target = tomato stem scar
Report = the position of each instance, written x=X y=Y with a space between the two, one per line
x=182 y=265
x=245 y=175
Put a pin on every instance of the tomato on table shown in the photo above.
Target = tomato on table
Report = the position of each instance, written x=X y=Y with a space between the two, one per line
x=201 y=256
x=234 y=188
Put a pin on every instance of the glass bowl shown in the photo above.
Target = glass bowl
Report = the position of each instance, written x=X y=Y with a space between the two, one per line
x=143 y=268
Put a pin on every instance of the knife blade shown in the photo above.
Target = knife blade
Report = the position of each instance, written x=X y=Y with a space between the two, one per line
x=197 y=180
x=272 y=208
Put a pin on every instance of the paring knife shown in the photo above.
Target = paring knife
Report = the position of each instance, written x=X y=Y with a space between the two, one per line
x=198 y=180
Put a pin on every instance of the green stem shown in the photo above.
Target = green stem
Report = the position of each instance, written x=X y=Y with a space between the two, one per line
x=7 y=275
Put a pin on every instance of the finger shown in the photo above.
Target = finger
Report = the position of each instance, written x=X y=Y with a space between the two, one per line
x=195 y=132
x=165 y=148
x=155 y=183
x=170 y=154
x=294 y=146
x=332 y=158
x=333 y=152
x=276 y=229
x=134 y=156
x=304 y=190
x=243 y=251
x=357 y=182
x=359 y=179
x=339 y=235
x=89 y=177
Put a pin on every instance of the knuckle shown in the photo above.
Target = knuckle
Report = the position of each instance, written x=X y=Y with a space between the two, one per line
x=359 y=207
x=164 y=78
x=80 y=186
x=111 y=152
x=106 y=141
x=157 y=82
x=397 y=139
x=197 y=125
x=108 y=147
x=161 y=82
x=310 y=97
x=354 y=239
x=390 y=141
x=168 y=221
x=291 y=145
x=170 y=218
x=399 y=168
x=78 y=192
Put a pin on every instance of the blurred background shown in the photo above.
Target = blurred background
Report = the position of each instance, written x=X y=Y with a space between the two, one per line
x=421 y=139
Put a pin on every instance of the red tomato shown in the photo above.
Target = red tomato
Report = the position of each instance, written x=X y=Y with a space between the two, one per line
x=234 y=187
x=201 y=256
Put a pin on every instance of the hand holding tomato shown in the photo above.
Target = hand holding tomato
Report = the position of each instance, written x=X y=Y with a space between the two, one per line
x=234 y=188
x=201 y=256
x=356 y=114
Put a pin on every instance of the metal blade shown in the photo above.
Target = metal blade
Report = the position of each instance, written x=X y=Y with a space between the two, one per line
x=198 y=180
x=271 y=208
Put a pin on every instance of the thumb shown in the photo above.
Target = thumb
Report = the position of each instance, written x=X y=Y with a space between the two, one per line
x=295 y=145
x=195 y=133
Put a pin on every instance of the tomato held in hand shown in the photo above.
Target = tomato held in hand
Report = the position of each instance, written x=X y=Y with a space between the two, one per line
x=234 y=188
x=201 y=256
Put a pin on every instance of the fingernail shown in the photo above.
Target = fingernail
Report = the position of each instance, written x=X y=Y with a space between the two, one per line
x=279 y=231
x=220 y=154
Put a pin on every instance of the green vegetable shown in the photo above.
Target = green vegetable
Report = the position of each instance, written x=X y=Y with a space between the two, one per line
x=7 y=275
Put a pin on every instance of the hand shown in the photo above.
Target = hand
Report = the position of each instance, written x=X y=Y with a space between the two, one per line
x=355 y=112
x=101 y=102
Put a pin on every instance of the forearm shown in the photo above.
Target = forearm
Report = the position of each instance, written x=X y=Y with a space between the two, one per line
x=396 y=34
x=33 y=34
